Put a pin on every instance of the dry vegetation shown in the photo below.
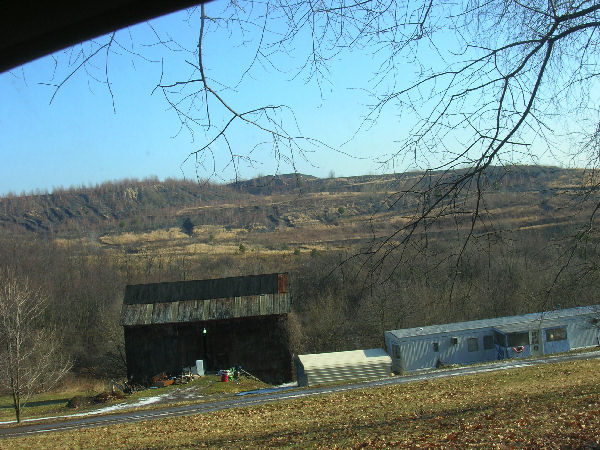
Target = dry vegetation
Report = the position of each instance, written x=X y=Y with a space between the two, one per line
x=71 y=397
x=526 y=253
x=552 y=406
x=54 y=402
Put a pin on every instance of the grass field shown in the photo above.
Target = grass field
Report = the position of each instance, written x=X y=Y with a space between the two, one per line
x=551 y=406
x=55 y=404
x=51 y=403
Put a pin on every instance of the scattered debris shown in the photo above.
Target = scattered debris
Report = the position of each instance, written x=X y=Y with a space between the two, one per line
x=161 y=380
x=130 y=387
x=104 y=397
x=224 y=375
x=235 y=373
x=248 y=374
x=80 y=401
x=159 y=377
x=114 y=385
x=198 y=369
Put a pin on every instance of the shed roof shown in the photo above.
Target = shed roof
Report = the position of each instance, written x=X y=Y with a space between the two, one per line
x=508 y=324
x=352 y=357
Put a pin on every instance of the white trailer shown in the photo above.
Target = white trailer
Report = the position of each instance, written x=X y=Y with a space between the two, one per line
x=491 y=339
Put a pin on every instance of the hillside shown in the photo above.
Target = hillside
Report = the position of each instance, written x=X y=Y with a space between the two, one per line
x=353 y=271
x=519 y=196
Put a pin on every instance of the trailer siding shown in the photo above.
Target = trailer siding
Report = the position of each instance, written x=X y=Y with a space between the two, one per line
x=464 y=342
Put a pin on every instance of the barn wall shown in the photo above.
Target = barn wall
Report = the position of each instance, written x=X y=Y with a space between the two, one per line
x=249 y=285
x=259 y=344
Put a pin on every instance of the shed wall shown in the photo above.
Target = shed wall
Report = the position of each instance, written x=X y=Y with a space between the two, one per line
x=325 y=368
x=202 y=310
x=232 y=287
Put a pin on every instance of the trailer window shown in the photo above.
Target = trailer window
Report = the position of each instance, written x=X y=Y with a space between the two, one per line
x=436 y=347
x=473 y=344
x=488 y=342
x=556 y=334
x=518 y=339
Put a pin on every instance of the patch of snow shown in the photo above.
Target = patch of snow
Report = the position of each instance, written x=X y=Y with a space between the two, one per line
x=118 y=407
x=281 y=387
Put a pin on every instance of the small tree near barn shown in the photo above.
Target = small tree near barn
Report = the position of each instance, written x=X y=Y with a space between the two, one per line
x=30 y=357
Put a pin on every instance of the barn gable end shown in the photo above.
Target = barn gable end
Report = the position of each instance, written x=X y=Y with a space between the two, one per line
x=225 y=322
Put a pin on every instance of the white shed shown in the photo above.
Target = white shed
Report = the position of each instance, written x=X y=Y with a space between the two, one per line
x=322 y=368
x=491 y=339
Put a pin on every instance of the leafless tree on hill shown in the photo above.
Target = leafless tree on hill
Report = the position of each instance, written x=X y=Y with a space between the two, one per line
x=475 y=84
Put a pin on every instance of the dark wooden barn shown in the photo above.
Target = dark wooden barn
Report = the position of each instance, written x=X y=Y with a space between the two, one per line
x=225 y=322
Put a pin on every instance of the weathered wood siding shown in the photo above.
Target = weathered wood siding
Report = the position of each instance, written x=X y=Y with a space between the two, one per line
x=245 y=286
x=201 y=310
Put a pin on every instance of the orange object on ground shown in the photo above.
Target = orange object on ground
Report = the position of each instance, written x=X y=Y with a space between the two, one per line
x=163 y=383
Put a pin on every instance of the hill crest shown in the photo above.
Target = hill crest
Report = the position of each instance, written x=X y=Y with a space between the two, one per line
x=269 y=201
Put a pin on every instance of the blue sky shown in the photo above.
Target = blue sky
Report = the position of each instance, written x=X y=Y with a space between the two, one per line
x=80 y=140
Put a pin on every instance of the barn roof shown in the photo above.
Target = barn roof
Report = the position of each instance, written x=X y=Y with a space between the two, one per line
x=202 y=300
x=272 y=283
x=508 y=324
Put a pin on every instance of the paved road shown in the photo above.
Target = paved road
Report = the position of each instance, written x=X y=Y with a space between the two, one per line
x=259 y=399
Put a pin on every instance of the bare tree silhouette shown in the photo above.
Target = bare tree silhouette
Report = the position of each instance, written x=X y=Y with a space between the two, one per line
x=475 y=84
x=30 y=355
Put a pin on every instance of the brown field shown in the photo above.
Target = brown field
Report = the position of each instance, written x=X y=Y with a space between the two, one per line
x=553 y=406
x=54 y=405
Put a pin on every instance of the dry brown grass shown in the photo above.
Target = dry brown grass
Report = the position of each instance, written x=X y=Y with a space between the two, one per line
x=135 y=238
x=312 y=221
x=552 y=406
x=54 y=402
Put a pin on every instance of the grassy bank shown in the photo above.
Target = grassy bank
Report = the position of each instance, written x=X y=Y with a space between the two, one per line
x=548 y=406
x=56 y=404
